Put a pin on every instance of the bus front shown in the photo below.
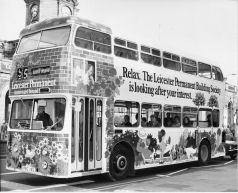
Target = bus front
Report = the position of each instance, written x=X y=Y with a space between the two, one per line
x=38 y=134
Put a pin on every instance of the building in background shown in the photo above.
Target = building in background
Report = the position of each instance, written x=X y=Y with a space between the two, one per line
x=231 y=108
x=36 y=10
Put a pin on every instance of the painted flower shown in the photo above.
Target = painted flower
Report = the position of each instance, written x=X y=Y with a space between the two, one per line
x=41 y=144
x=54 y=144
x=59 y=147
x=18 y=137
x=54 y=160
x=50 y=149
x=15 y=135
x=21 y=158
x=30 y=153
x=38 y=151
x=44 y=151
x=59 y=156
x=44 y=165
x=46 y=141
x=15 y=148
x=51 y=156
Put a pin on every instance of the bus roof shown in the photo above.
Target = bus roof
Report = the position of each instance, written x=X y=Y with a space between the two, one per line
x=61 y=21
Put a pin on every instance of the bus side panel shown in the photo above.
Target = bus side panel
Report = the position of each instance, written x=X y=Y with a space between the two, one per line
x=158 y=147
x=214 y=136
x=42 y=154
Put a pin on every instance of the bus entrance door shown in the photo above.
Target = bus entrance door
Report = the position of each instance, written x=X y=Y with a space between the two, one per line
x=93 y=131
x=86 y=134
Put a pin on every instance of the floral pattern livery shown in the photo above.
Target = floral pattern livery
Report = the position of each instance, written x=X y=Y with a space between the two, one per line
x=160 y=150
x=38 y=154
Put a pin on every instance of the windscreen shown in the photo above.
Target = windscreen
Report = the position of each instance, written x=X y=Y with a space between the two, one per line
x=38 y=114
x=44 y=39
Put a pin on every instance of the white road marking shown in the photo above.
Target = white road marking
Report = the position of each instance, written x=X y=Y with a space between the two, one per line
x=170 y=174
x=59 y=185
x=123 y=184
x=9 y=173
x=228 y=162
x=159 y=175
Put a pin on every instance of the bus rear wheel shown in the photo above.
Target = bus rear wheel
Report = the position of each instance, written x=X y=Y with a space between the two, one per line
x=204 y=154
x=120 y=161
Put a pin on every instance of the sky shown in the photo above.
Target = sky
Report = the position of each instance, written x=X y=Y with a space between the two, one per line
x=205 y=30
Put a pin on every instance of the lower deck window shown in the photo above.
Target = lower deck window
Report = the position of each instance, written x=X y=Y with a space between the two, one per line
x=172 y=116
x=189 y=117
x=204 y=118
x=126 y=114
x=151 y=115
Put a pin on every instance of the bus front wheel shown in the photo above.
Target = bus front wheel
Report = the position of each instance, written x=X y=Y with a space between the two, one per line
x=120 y=161
x=204 y=154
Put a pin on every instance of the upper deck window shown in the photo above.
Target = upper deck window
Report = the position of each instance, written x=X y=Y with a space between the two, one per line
x=153 y=56
x=145 y=49
x=132 y=45
x=93 y=40
x=125 y=53
x=189 y=66
x=171 y=61
x=44 y=39
x=126 y=49
x=204 y=70
x=217 y=73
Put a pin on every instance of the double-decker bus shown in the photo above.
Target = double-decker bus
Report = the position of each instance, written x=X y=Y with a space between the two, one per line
x=87 y=102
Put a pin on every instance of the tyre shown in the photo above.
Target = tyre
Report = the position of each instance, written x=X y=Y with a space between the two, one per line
x=120 y=163
x=204 y=154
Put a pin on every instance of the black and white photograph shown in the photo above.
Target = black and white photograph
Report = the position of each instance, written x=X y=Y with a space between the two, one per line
x=118 y=95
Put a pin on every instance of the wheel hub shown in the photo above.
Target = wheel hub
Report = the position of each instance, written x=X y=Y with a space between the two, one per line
x=121 y=162
x=204 y=152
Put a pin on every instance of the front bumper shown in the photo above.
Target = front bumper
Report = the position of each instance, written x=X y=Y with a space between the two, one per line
x=231 y=147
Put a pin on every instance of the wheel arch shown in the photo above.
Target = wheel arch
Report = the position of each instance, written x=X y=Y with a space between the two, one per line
x=207 y=142
x=203 y=140
x=128 y=146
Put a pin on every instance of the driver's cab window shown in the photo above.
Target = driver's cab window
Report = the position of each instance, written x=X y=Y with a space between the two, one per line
x=49 y=114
